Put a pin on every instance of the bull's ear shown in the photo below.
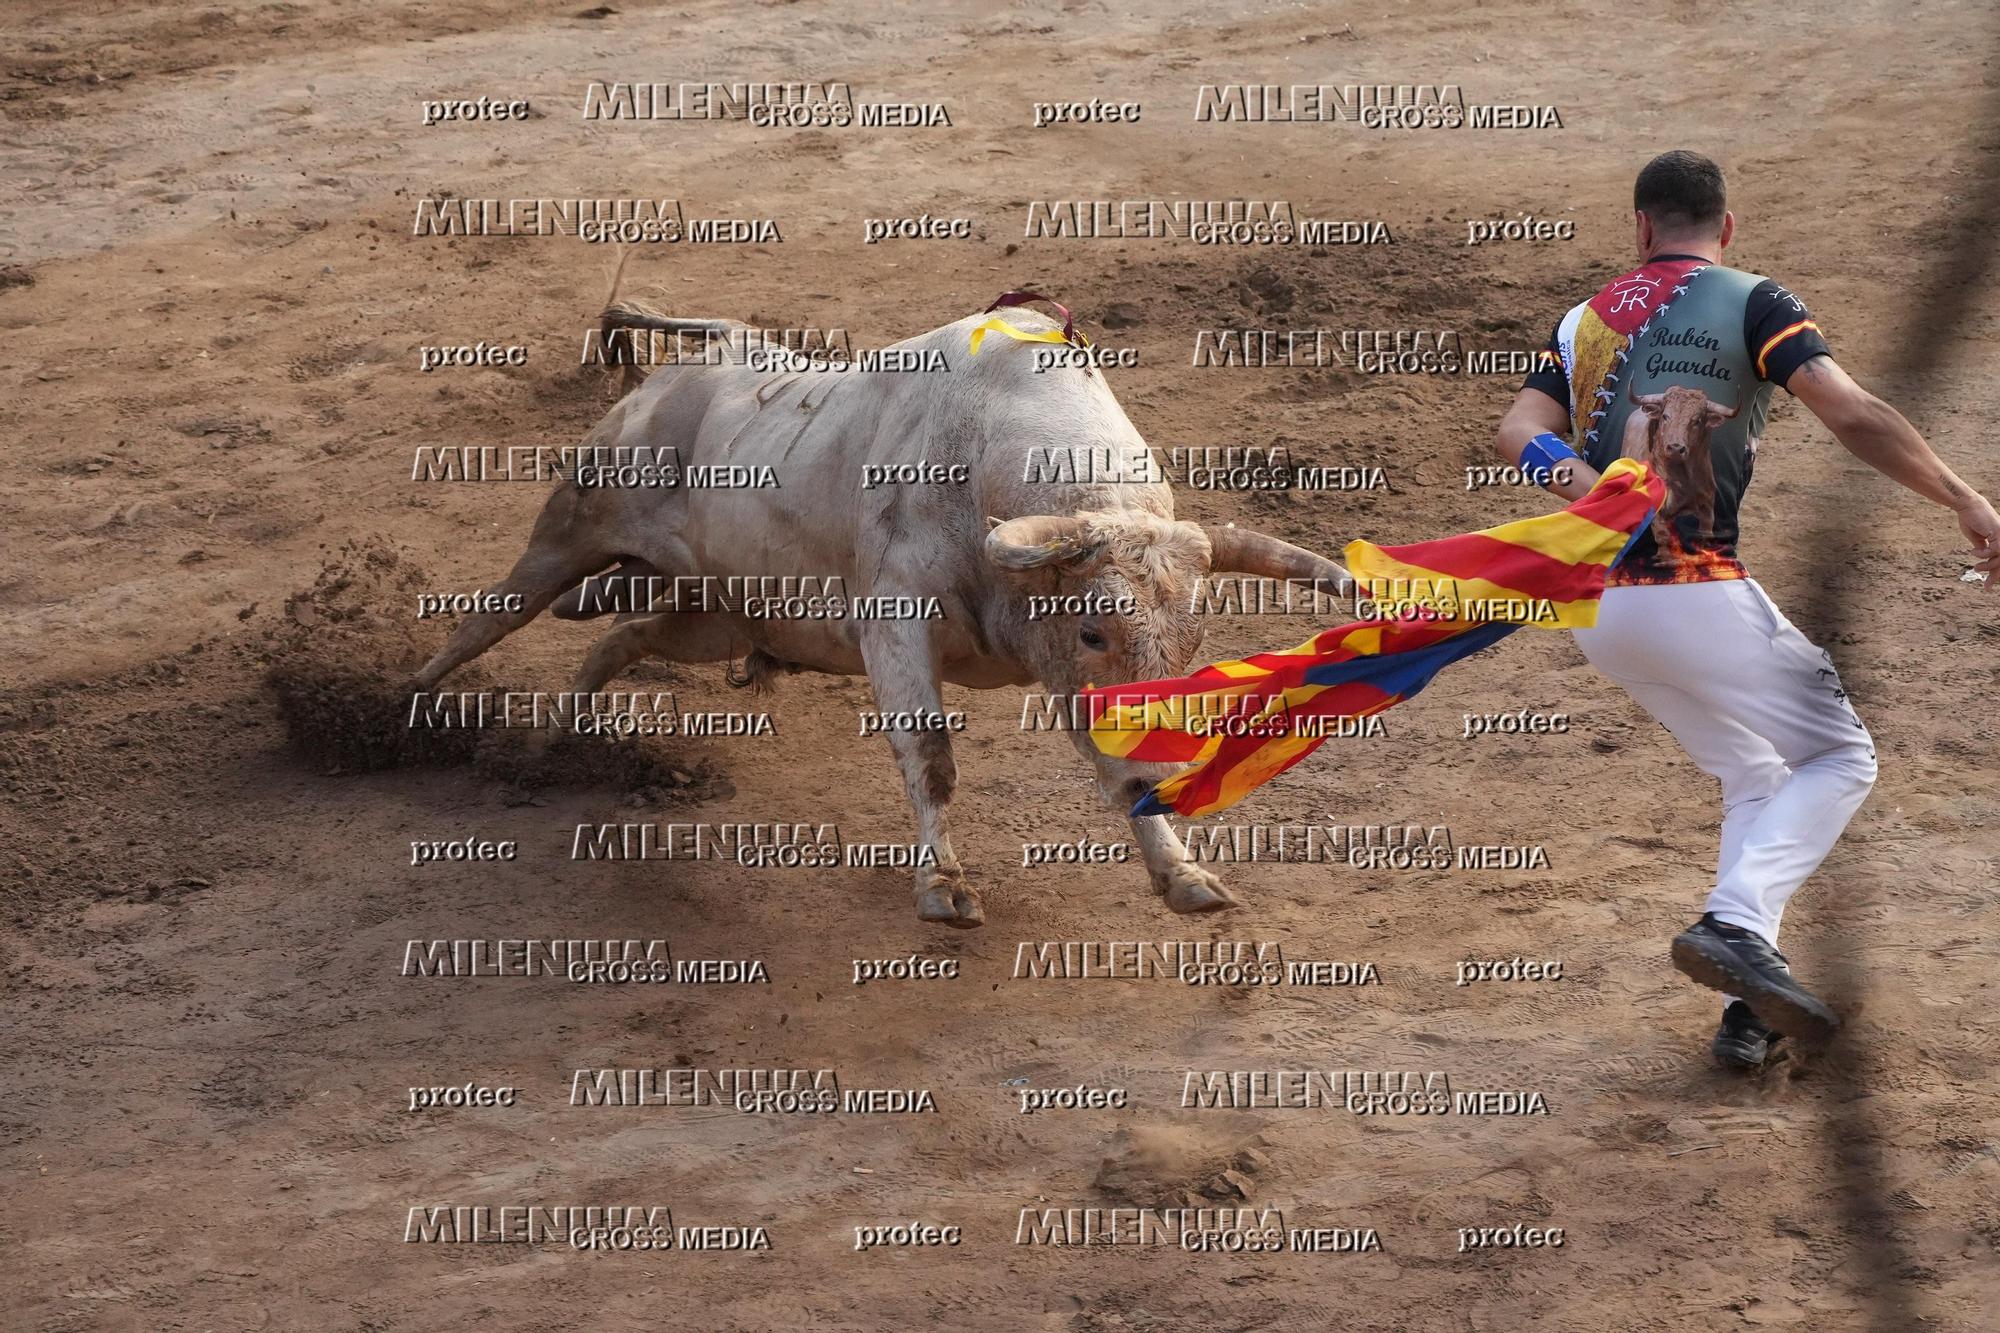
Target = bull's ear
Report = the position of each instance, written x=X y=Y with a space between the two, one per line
x=1039 y=541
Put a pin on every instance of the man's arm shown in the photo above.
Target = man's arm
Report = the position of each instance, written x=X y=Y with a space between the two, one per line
x=1879 y=436
x=1535 y=413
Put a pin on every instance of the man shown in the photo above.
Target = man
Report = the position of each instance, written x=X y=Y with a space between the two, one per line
x=1674 y=363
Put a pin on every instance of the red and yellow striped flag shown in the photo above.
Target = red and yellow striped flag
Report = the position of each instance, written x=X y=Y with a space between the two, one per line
x=1240 y=724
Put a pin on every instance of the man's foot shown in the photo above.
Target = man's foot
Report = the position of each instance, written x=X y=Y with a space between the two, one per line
x=1742 y=1041
x=1736 y=961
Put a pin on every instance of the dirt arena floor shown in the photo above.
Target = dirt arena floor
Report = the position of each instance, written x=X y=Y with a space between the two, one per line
x=213 y=546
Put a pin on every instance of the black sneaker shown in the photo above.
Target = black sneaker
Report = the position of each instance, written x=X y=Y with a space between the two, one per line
x=1736 y=961
x=1742 y=1041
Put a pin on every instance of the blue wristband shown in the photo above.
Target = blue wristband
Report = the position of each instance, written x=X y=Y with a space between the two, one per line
x=1541 y=455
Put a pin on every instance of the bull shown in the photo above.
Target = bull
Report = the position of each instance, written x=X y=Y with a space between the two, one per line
x=1051 y=500
x=1669 y=432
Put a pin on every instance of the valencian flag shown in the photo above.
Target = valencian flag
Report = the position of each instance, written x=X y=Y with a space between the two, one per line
x=1240 y=724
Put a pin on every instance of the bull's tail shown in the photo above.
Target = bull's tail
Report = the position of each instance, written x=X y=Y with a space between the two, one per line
x=621 y=322
x=759 y=671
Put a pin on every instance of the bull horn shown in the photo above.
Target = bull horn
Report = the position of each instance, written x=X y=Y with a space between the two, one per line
x=1643 y=399
x=1021 y=544
x=1242 y=551
x=1715 y=409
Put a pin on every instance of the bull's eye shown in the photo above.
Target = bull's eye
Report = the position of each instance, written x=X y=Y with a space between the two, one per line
x=1092 y=640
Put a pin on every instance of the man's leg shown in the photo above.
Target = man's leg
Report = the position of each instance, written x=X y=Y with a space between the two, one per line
x=1653 y=642
x=1791 y=696
x=1638 y=639
x=1739 y=814
x=1793 y=700
x=1757 y=706
x=1751 y=773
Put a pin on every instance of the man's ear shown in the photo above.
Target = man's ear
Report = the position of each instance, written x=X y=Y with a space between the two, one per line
x=1643 y=233
x=1728 y=230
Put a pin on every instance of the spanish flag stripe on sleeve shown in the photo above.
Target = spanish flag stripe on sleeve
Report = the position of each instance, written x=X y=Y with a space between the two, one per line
x=1239 y=724
x=1779 y=337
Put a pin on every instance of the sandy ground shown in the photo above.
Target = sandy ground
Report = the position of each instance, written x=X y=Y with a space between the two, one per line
x=213 y=303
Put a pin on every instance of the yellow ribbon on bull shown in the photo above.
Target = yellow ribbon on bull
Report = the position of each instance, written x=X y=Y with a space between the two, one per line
x=999 y=325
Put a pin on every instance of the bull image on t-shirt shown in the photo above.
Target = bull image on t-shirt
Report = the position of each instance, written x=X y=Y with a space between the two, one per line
x=1669 y=432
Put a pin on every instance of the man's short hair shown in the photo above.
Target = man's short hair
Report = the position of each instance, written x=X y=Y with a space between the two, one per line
x=1681 y=191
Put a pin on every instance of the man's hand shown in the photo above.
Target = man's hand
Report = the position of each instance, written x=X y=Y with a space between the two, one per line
x=1981 y=527
x=1879 y=436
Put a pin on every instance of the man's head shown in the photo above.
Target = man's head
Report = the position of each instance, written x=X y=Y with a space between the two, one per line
x=1680 y=207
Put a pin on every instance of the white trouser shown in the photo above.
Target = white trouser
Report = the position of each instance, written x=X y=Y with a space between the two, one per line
x=1755 y=705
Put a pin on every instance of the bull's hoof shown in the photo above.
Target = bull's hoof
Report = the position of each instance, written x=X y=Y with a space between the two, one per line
x=950 y=902
x=1189 y=889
